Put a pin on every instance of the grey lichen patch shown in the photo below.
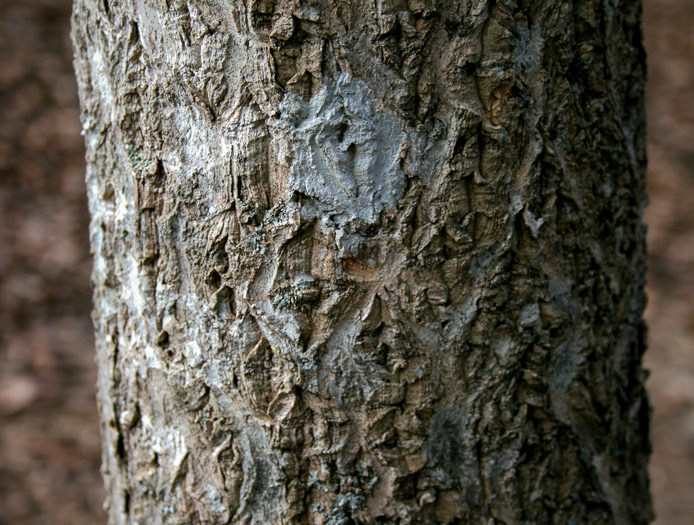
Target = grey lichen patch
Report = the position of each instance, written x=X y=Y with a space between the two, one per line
x=346 y=152
x=135 y=157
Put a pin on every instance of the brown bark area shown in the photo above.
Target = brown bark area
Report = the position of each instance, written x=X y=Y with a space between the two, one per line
x=368 y=263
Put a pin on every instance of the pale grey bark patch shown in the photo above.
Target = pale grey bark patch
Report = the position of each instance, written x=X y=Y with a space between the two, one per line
x=345 y=153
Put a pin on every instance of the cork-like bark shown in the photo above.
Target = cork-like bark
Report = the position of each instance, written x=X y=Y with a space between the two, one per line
x=368 y=261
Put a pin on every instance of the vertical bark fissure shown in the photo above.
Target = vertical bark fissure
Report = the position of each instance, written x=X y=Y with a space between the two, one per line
x=368 y=263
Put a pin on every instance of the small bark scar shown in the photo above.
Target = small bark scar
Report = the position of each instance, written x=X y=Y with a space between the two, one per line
x=497 y=97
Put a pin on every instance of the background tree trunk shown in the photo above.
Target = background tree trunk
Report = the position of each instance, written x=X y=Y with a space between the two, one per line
x=368 y=262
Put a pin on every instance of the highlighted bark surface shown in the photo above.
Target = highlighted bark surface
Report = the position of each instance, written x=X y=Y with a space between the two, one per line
x=367 y=262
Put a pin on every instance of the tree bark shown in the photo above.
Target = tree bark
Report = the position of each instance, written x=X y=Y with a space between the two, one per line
x=368 y=262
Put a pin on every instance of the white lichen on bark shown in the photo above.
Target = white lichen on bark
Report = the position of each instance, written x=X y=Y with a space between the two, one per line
x=344 y=153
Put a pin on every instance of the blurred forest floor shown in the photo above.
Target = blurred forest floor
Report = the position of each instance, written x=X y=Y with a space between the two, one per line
x=49 y=438
x=668 y=26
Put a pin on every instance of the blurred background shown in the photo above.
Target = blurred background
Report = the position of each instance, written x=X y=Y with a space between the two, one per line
x=49 y=437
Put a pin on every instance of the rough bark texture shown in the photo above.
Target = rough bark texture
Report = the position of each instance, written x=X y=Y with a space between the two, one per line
x=368 y=262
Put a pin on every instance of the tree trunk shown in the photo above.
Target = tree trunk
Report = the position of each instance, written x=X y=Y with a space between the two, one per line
x=368 y=262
